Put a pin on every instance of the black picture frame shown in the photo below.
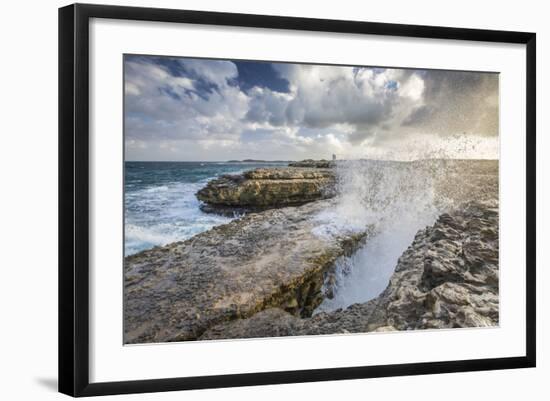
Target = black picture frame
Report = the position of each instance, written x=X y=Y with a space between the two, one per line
x=74 y=198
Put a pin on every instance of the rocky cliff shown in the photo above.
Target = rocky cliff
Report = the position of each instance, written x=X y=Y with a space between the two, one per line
x=447 y=278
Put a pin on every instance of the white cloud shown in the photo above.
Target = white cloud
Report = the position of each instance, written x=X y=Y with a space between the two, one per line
x=353 y=112
x=413 y=88
x=160 y=105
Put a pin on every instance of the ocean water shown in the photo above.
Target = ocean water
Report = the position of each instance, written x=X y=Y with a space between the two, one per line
x=160 y=203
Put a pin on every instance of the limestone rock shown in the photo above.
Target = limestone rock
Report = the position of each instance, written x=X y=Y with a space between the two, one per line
x=265 y=188
x=447 y=278
x=263 y=260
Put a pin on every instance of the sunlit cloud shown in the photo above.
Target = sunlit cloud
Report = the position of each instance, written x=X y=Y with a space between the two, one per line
x=196 y=109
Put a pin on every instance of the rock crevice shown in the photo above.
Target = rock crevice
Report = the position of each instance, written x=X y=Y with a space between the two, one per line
x=447 y=278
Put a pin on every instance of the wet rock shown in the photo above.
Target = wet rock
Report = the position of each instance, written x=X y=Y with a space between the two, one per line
x=260 y=261
x=266 y=188
x=447 y=278
x=228 y=211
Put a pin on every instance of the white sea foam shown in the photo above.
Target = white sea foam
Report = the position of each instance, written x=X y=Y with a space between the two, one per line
x=160 y=202
x=397 y=199
x=161 y=188
x=137 y=235
x=163 y=214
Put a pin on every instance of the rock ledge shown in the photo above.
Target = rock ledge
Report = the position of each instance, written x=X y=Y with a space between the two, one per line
x=263 y=260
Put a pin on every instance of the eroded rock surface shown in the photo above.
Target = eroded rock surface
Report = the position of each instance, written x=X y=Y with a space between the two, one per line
x=447 y=278
x=263 y=260
x=265 y=188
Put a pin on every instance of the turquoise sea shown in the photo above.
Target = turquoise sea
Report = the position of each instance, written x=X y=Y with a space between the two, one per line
x=160 y=204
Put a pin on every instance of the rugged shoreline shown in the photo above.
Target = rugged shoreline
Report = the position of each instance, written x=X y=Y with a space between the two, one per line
x=268 y=259
x=262 y=274
x=447 y=278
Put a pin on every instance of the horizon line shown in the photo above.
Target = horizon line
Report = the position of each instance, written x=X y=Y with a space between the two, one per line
x=289 y=160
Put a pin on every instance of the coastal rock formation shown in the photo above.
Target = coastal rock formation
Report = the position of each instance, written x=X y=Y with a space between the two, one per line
x=265 y=188
x=263 y=260
x=447 y=278
x=312 y=163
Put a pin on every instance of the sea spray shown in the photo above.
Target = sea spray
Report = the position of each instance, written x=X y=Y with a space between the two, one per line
x=398 y=199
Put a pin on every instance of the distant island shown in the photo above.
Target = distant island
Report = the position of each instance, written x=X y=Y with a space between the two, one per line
x=292 y=163
x=257 y=161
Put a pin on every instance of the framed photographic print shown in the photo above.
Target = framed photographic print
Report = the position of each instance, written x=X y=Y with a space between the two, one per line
x=250 y=199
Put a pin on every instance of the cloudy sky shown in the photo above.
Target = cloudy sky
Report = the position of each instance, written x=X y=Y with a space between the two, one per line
x=210 y=110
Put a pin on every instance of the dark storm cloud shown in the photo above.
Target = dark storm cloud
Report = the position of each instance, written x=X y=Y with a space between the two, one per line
x=359 y=136
x=456 y=102
x=419 y=115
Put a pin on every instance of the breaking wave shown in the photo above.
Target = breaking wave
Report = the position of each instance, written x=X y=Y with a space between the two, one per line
x=163 y=214
x=396 y=199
